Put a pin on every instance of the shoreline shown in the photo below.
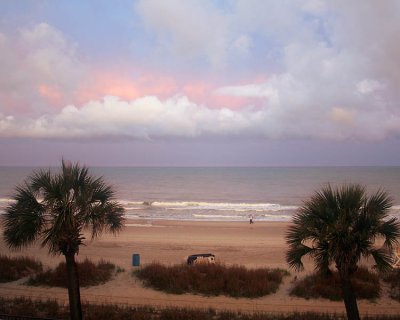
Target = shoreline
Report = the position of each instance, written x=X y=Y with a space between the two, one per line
x=261 y=244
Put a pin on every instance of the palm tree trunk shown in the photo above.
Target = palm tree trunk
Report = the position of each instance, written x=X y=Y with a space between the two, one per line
x=73 y=288
x=349 y=298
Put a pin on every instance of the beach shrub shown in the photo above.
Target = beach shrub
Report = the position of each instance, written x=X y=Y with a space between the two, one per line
x=116 y=312
x=212 y=279
x=14 y=268
x=393 y=279
x=366 y=286
x=90 y=274
x=51 y=309
x=32 y=308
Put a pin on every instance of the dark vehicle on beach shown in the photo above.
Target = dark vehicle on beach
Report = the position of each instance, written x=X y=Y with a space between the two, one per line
x=206 y=258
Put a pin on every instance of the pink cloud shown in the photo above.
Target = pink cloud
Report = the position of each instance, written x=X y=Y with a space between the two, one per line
x=205 y=93
x=50 y=92
x=103 y=83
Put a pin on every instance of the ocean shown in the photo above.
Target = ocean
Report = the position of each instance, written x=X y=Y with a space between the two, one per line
x=221 y=194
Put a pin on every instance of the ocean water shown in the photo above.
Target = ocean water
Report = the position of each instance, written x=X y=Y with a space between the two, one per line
x=221 y=194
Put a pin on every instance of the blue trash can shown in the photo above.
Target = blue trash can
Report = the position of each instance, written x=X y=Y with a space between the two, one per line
x=136 y=260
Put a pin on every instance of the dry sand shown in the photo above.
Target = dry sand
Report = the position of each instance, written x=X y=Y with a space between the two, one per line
x=259 y=245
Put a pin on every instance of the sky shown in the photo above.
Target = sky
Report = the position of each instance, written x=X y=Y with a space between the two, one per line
x=200 y=82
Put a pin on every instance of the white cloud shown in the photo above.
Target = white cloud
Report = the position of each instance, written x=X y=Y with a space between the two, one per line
x=37 y=64
x=194 y=29
x=189 y=28
x=368 y=86
x=50 y=56
x=249 y=91
x=143 y=118
x=178 y=117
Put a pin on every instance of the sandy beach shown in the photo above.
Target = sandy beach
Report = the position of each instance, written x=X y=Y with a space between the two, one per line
x=259 y=245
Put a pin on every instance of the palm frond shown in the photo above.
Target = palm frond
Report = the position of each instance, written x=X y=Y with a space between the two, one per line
x=299 y=231
x=107 y=217
x=41 y=180
x=383 y=259
x=390 y=231
x=114 y=217
x=24 y=219
x=350 y=197
x=295 y=254
x=322 y=257
x=379 y=204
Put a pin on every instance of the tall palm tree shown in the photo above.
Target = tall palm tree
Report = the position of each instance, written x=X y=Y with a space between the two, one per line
x=56 y=208
x=340 y=226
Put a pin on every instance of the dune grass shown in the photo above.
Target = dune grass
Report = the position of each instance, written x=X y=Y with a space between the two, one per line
x=14 y=268
x=51 y=309
x=366 y=286
x=393 y=279
x=90 y=274
x=212 y=279
x=32 y=308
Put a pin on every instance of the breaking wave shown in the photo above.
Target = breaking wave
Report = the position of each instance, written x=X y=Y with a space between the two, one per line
x=206 y=211
x=203 y=210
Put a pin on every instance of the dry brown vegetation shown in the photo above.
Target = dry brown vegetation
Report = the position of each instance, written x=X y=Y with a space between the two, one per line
x=14 y=268
x=393 y=279
x=365 y=283
x=212 y=279
x=90 y=274
x=50 y=309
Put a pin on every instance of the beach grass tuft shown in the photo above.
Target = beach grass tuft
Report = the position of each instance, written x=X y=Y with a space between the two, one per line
x=14 y=268
x=393 y=279
x=90 y=274
x=51 y=309
x=31 y=308
x=212 y=279
x=366 y=286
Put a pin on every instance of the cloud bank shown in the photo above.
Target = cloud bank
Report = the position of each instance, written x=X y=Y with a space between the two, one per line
x=330 y=71
x=178 y=117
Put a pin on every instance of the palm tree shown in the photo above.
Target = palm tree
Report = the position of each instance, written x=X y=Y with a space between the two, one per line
x=56 y=208
x=340 y=226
